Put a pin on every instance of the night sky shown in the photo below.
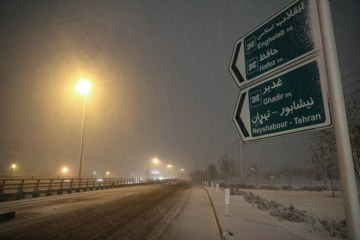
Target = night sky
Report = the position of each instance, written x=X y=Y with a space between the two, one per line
x=160 y=84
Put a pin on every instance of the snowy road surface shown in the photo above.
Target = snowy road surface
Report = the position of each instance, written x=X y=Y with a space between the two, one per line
x=142 y=212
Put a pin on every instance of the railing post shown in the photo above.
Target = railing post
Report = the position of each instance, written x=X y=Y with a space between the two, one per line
x=21 y=186
x=61 y=184
x=2 y=186
x=37 y=185
x=50 y=184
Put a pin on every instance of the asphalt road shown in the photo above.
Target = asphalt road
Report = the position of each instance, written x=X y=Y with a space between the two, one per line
x=142 y=212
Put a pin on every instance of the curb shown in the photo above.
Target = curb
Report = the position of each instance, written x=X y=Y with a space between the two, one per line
x=216 y=217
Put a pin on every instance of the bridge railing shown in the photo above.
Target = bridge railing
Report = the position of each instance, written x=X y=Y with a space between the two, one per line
x=44 y=185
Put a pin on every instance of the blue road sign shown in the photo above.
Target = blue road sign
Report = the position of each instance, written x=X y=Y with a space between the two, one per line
x=290 y=35
x=290 y=102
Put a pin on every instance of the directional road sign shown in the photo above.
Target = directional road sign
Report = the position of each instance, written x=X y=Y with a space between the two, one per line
x=290 y=35
x=289 y=102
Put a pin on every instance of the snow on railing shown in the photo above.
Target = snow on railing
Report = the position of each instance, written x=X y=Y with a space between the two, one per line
x=66 y=184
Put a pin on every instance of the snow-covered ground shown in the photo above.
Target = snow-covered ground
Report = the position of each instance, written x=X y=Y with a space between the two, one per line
x=249 y=222
x=318 y=204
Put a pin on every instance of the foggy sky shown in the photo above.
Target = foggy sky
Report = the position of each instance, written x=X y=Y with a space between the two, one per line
x=161 y=85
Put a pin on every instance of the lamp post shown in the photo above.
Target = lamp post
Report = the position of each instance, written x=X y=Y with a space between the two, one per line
x=155 y=160
x=181 y=172
x=12 y=169
x=83 y=87
x=64 y=171
x=13 y=161
x=169 y=166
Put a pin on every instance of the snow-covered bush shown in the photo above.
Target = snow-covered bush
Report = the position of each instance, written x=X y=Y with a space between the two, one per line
x=286 y=188
x=277 y=209
x=334 y=228
x=290 y=214
x=269 y=188
x=261 y=203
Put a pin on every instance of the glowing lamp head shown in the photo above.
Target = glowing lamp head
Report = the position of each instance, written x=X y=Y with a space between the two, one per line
x=13 y=166
x=64 y=169
x=83 y=86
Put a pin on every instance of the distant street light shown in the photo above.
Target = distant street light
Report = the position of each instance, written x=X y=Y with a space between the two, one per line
x=156 y=161
x=13 y=160
x=181 y=172
x=13 y=166
x=65 y=170
x=169 y=166
x=83 y=87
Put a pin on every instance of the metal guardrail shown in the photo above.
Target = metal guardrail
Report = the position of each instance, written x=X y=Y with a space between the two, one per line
x=10 y=186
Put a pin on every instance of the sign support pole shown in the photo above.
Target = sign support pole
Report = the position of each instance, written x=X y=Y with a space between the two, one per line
x=241 y=162
x=346 y=165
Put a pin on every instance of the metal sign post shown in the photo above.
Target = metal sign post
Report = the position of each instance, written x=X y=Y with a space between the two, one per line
x=227 y=201
x=346 y=165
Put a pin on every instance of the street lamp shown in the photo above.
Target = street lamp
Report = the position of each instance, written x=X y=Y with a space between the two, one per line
x=155 y=160
x=12 y=168
x=13 y=161
x=169 y=166
x=181 y=172
x=83 y=87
